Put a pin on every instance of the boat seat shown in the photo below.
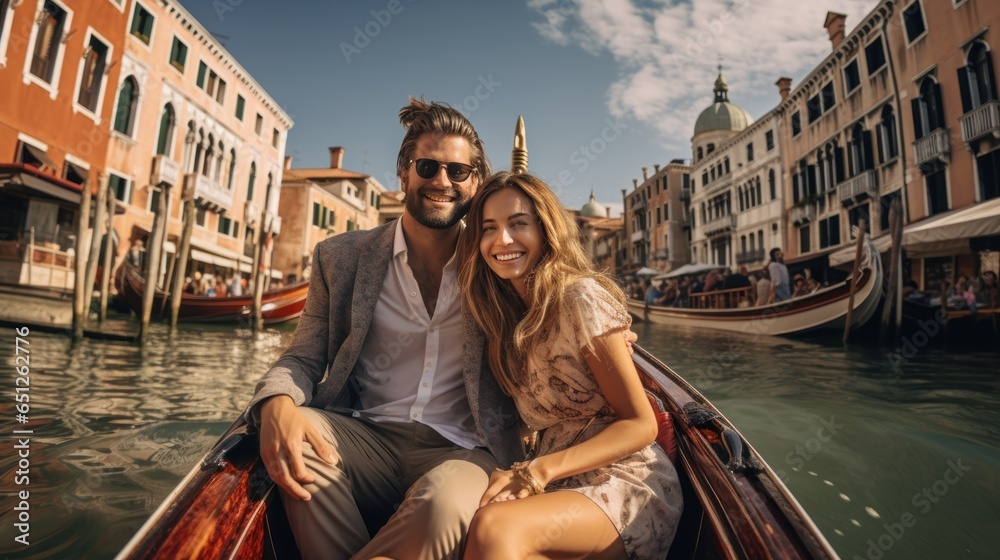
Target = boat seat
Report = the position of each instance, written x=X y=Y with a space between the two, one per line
x=665 y=435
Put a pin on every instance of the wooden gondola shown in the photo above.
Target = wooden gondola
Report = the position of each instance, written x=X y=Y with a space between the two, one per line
x=825 y=308
x=278 y=305
x=735 y=506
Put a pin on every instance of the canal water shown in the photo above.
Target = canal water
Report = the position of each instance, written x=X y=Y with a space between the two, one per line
x=892 y=456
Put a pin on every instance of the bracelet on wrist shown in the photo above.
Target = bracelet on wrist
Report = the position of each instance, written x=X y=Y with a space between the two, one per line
x=522 y=472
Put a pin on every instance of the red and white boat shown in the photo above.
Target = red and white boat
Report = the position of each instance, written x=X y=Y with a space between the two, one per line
x=283 y=304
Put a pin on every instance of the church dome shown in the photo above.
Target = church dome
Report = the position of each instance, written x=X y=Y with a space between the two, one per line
x=594 y=209
x=722 y=115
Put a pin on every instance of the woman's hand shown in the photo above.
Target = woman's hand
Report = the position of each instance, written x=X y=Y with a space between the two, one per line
x=504 y=486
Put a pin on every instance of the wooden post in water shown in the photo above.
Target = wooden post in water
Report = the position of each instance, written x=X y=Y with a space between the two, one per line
x=100 y=207
x=893 y=296
x=855 y=274
x=80 y=272
x=108 y=260
x=256 y=317
x=153 y=259
x=183 y=250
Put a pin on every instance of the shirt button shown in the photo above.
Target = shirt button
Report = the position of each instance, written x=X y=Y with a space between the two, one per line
x=413 y=294
x=426 y=384
x=415 y=416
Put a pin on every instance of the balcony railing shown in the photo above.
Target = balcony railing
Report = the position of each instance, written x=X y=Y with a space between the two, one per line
x=981 y=122
x=744 y=257
x=803 y=214
x=210 y=193
x=165 y=171
x=719 y=225
x=858 y=187
x=685 y=194
x=719 y=184
x=934 y=146
x=639 y=235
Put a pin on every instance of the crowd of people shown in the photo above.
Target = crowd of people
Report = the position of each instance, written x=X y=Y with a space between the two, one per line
x=763 y=287
x=212 y=285
x=979 y=293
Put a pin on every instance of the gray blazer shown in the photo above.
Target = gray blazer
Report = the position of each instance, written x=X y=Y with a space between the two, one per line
x=347 y=275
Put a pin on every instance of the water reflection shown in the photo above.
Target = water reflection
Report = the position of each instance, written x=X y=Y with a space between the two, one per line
x=116 y=426
x=903 y=463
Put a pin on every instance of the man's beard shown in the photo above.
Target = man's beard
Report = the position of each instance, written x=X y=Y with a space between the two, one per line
x=437 y=218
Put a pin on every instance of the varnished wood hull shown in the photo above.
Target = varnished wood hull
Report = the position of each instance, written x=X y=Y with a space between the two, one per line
x=277 y=306
x=735 y=505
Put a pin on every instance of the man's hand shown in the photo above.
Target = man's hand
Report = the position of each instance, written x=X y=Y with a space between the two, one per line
x=283 y=428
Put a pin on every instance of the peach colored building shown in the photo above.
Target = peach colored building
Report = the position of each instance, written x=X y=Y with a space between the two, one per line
x=320 y=203
x=189 y=118
x=655 y=232
x=841 y=143
x=909 y=96
x=58 y=70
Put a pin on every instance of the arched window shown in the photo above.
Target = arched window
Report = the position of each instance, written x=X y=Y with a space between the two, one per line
x=253 y=180
x=756 y=181
x=217 y=174
x=232 y=169
x=700 y=155
x=739 y=193
x=743 y=243
x=206 y=168
x=725 y=162
x=771 y=184
x=189 y=140
x=928 y=111
x=975 y=80
x=199 y=152
x=128 y=97
x=165 y=139
x=888 y=144
x=859 y=151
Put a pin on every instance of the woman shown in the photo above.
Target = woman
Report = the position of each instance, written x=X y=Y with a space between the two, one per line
x=599 y=487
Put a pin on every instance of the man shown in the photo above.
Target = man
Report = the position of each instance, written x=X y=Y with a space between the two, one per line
x=383 y=399
x=776 y=269
x=738 y=280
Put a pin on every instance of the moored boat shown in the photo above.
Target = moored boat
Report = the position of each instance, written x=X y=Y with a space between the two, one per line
x=826 y=308
x=735 y=506
x=278 y=305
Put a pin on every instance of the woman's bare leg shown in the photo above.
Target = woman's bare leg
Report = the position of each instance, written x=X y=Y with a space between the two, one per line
x=561 y=524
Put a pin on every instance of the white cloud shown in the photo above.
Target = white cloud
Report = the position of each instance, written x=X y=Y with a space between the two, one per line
x=667 y=50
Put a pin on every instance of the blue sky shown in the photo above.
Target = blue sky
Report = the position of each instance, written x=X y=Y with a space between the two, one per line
x=605 y=87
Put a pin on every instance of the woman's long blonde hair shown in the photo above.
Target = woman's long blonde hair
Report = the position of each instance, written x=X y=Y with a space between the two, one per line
x=512 y=327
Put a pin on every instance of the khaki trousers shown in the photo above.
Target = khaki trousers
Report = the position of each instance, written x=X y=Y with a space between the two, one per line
x=396 y=489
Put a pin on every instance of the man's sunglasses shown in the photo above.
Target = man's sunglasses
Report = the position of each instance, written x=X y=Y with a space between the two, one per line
x=427 y=168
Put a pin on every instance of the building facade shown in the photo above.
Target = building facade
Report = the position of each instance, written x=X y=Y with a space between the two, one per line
x=58 y=70
x=654 y=219
x=599 y=235
x=908 y=97
x=317 y=203
x=735 y=188
x=189 y=119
